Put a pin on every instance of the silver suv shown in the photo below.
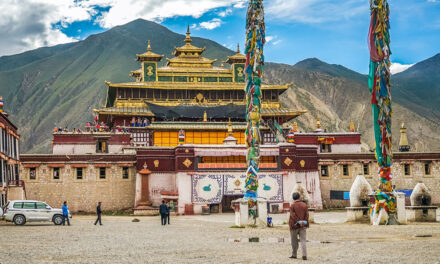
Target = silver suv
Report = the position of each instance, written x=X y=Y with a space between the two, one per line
x=22 y=211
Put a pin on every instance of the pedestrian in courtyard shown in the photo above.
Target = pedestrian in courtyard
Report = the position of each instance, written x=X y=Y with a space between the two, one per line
x=168 y=212
x=163 y=212
x=298 y=222
x=98 y=212
x=65 y=214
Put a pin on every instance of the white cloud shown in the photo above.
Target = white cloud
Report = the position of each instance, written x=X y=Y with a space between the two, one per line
x=315 y=11
x=225 y=13
x=397 y=67
x=214 y=23
x=28 y=24
x=273 y=40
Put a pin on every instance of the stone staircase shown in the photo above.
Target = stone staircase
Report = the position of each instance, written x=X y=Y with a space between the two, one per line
x=145 y=209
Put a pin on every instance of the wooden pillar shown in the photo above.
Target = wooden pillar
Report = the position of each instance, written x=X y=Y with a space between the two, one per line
x=145 y=193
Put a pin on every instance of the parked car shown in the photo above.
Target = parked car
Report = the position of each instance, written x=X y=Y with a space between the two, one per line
x=22 y=211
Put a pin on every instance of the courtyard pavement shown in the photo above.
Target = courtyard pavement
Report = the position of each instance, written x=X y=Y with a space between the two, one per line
x=210 y=239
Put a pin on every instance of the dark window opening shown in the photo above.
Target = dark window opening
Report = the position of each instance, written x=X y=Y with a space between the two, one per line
x=345 y=171
x=326 y=148
x=56 y=173
x=407 y=169
x=102 y=146
x=428 y=168
x=324 y=171
x=366 y=169
x=32 y=173
x=79 y=173
x=102 y=173
x=125 y=173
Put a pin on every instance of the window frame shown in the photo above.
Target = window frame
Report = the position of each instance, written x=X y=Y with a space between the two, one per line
x=35 y=175
x=125 y=170
x=100 y=175
x=348 y=171
x=429 y=164
x=53 y=173
x=406 y=165
x=82 y=173
x=327 y=171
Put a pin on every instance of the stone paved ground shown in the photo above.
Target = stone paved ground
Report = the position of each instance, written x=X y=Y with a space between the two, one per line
x=209 y=239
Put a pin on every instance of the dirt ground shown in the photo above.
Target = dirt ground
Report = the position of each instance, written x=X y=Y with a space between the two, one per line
x=210 y=239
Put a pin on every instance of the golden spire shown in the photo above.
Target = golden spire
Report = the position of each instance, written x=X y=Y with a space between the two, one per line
x=403 y=143
x=230 y=128
x=188 y=39
x=205 y=117
x=351 y=126
x=318 y=123
x=238 y=47
x=295 y=127
x=149 y=46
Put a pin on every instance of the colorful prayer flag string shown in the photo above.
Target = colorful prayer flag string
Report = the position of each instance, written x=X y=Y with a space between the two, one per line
x=255 y=39
x=380 y=88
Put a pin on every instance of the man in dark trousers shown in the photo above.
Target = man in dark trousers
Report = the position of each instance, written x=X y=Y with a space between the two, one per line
x=163 y=210
x=168 y=212
x=65 y=214
x=98 y=212
x=298 y=222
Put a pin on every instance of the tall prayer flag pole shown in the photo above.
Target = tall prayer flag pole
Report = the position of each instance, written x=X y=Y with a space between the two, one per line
x=380 y=88
x=255 y=39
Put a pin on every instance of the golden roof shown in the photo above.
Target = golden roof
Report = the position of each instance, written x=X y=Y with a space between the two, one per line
x=137 y=72
x=237 y=57
x=149 y=55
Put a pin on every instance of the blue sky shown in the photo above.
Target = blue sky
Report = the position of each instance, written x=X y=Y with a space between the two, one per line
x=332 y=30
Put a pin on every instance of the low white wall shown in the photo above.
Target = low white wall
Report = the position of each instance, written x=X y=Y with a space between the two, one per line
x=346 y=148
x=160 y=182
x=310 y=180
x=183 y=182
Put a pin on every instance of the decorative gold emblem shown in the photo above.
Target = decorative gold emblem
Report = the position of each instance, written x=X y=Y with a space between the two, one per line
x=187 y=163
x=156 y=163
x=237 y=182
x=288 y=161
x=199 y=98
x=186 y=150
x=287 y=150
x=302 y=163
x=150 y=70
x=240 y=72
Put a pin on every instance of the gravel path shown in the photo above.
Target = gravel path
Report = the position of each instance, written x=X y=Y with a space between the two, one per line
x=209 y=239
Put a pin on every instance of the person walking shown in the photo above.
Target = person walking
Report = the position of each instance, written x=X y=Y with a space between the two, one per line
x=298 y=222
x=168 y=212
x=163 y=212
x=98 y=212
x=65 y=214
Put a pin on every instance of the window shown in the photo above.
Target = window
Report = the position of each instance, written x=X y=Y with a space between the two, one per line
x=367 y=169
x=41 y=206
x=101 y=146
x=326 y=148
x=32 y=173
x=324 y=170
x=79 y=173
x=269 y=138
x=125 y=172
x=102 y=173
x=18 y=205
x=345 y=170
x=28 y=205
x=428 y=168
x=56 y=173
x=407 y=169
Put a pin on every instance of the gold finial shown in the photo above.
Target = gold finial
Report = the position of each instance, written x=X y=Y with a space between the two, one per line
x=318 y=123
x=149 y=46
x=403 y=143
x=351 y=126
x=205 y=117
x=188 y=36
x=238 y=48
x=230 y=128
x=295 y=127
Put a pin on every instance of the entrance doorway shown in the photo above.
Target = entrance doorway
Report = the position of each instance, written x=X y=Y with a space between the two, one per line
x=226 y=202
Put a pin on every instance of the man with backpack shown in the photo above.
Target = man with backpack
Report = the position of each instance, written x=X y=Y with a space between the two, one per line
x=298 y=222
